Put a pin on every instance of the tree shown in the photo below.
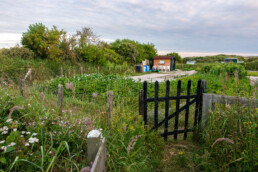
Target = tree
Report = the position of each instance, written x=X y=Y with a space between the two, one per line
x=139 y=52
x=177 y=56
x=86 y=37
x=36 y=39
x=112 y=56
x=149 y=51
x=128 y=51
x=44 y=42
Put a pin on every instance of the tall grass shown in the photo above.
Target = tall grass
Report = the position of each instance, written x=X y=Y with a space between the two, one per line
x=231 y=138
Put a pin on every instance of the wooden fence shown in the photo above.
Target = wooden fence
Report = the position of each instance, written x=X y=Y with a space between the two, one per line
x=209 y=100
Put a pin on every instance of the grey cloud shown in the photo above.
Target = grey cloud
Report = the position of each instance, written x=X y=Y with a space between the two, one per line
x=185 y=25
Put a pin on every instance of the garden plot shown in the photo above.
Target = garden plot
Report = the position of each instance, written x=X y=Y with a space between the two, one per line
x=163 y=76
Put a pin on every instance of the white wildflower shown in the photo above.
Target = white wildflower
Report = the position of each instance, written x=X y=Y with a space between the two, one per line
x=4 y=148
x=1 y=142
x=5 y=128
x=28 y=132
x=22 y=135
x=33 y=140
x=27 y=144
x=12 y=144
x=34 y=134
x=29 y=105
x=15 y=129
x=9 y=120
x=4 y=132
x=23 y=132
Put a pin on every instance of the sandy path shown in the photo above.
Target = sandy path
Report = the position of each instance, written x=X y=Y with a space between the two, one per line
x=253 y=79
x=162 y=76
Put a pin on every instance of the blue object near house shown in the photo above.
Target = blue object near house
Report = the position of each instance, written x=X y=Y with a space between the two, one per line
x=146 y=68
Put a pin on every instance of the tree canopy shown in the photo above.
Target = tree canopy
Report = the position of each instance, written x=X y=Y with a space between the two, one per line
x=85 y=45
x=177 y=56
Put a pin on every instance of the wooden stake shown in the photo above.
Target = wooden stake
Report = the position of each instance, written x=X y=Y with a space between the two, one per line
x=110 y=106
x=61 y=72
x=141 y=102
x=81 y=70
x=22 y=87
x=60 y=97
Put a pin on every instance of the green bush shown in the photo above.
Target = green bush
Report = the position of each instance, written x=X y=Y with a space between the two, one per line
x=252 y=73
x=211 y=59
x=229 y=68
x=20 y=52
x=253 y=65
x=250 y=59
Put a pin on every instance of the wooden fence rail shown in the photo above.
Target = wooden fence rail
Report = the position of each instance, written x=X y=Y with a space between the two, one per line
x=210 y=99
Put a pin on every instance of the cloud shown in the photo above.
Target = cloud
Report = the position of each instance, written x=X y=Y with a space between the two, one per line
x=183 y=25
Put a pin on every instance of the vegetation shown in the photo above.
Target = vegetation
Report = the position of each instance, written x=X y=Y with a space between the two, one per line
x=85 y=46
x=177 y=56
x=229 y=138
x=36 y=136
x=230 y=68
x=133 y=51
x=17 y=52
x=252 y=65
x=252 y=73
x=211 y=59
x=128 y=144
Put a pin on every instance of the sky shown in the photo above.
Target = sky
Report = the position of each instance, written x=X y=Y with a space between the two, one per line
x=185 y=26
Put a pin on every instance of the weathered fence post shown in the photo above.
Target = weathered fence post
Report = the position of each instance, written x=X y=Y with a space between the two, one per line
x=93 y=143
x=141 y=102
x=145 y=103
x=60 y=97
x=204 y=86
x=74 y=71
x=22 y=87
x=81 y=70
x=61 y=72
x=203 y=90
x=236 y=75
x=110 y=106
x=96 y=151
x=226 y=76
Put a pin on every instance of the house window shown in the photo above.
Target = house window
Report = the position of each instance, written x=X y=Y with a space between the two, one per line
x=161 y=62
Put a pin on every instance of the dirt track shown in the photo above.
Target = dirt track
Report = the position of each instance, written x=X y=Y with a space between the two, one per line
x=253 y=79
x=162 y=76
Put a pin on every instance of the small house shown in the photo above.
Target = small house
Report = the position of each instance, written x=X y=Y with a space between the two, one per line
x=191 y=62
x=164 y=63
x=228 y=60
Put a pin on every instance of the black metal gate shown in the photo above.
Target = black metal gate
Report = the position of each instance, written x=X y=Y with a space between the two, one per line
x=191 y=99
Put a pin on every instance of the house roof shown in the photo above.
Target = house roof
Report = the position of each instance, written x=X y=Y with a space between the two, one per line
x=163 y=57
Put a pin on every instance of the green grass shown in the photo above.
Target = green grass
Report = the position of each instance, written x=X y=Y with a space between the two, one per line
x=252 y=73
x=62 y=141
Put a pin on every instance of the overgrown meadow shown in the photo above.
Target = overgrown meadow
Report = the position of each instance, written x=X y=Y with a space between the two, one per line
x=35 y=136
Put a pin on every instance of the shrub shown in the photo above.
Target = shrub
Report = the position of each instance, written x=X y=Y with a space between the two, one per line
x=20 y=52
x=211 y=59
x=253 y=65
x=229 y=68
